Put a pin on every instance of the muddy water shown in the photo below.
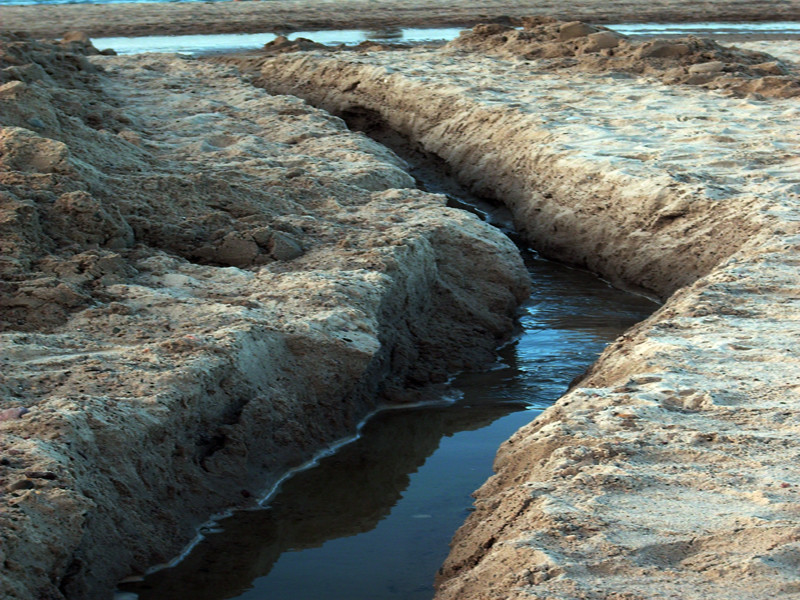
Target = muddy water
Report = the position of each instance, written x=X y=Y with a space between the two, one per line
x=373 y=520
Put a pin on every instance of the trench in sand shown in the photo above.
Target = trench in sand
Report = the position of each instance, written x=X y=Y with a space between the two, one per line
x=374 y=519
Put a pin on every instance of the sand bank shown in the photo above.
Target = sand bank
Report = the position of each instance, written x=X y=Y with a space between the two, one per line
x=202 y=286
x=670 y=470
x=300 y=15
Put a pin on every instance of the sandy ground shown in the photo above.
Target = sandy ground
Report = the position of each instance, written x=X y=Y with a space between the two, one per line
x=197 y=275
x=670 y=470
x=301 y=15
x=202 y=286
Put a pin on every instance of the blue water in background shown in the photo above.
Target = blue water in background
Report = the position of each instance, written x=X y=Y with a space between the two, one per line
x=43 y=2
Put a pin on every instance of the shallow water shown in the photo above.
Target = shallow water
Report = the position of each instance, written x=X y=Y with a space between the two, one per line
x=234 y=42
x=373 y=521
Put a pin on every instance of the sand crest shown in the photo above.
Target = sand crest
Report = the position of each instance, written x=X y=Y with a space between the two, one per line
x=202 y=286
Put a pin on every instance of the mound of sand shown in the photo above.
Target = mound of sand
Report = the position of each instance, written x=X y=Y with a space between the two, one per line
x=575 y=45
x=201 y=285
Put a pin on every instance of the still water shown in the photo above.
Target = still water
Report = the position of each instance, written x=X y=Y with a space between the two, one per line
x=373 y=521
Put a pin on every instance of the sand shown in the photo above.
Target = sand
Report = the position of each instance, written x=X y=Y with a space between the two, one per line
x=203 y=284
x=298 y=15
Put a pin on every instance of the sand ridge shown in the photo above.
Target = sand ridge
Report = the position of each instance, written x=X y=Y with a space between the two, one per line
x=579 y=46
x=202 y=286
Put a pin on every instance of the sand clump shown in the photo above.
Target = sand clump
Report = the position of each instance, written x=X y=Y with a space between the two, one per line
x=202 y=285
x=553 y=44
x=668 y=470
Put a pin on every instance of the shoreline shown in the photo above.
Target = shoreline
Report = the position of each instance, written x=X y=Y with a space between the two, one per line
x=284 y=16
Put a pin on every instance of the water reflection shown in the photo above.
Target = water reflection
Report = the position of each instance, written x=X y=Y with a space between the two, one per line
x=374 y=520
x=347 y=494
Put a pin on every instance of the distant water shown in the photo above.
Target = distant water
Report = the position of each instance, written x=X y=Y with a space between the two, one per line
x=27 y=2
x=711 y=28
x=232 y=42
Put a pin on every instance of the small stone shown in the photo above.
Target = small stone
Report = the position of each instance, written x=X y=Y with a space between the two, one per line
x=284 y=246
x=662 y=49
x=36 y=122
x=487 y=29
x=10 y=414
x=770 y=68
x=236 y=250
x=601 y=41
x=76 y=36
x=262 y=236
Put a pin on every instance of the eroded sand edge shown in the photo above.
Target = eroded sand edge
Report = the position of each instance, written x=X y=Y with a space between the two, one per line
x=202 y=286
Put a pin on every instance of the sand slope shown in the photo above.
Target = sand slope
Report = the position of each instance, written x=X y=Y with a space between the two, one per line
x=202 y=285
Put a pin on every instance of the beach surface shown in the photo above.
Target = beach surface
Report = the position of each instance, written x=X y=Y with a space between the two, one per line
x=205 y=281
x=175 y=18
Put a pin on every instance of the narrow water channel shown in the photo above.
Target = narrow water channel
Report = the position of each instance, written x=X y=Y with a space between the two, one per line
x=373 y=520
